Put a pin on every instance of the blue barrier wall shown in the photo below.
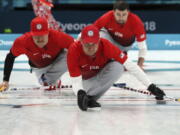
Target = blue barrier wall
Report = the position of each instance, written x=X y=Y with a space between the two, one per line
x=154 y=41
x=73 y=21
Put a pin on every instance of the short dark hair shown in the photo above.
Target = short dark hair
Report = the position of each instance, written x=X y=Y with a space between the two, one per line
x=121 y=5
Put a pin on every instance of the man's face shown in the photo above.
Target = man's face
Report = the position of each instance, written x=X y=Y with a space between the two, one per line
x=90 y=49
x=121 y=16
x=40 y=41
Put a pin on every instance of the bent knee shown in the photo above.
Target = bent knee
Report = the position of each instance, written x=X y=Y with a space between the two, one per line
x=117 y=66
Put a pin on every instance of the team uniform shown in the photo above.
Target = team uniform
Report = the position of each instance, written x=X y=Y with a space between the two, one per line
x=123 y=35
x=96 y=74
x=42 y=8
x=94 y=64
x=49 y=61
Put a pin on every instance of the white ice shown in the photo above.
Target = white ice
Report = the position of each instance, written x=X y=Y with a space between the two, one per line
x=123 y=112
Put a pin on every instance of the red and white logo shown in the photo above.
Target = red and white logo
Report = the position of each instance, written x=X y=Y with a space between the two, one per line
x=90 y=33
x=44 y=56
x=39 y=26
x=35 y=54
x=118 y=34
x=94 y=67
x=122 y=55
x=83 y=66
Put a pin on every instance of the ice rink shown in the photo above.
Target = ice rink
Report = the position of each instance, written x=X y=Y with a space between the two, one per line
x=123 y=112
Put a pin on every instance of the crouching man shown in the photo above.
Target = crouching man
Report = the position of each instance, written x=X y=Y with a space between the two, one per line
x=45 y=49
x=95 y=64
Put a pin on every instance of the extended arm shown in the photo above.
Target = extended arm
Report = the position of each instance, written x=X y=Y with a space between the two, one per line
x=142 y=53
x=8 y=65
x=142 y=77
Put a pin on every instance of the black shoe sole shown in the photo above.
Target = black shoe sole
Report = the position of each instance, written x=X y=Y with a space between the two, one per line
x=82 y=100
